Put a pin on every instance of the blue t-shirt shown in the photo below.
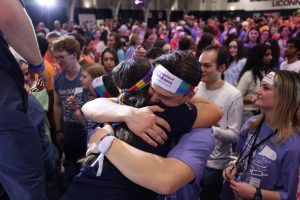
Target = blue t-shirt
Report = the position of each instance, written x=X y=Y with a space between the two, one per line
x=274 y=166
x=112 y=184
x=74 y=132
x=193 y=149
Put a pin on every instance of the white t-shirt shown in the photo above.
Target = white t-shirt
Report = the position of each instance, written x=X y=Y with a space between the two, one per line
x=295 y=66
x=231 y=100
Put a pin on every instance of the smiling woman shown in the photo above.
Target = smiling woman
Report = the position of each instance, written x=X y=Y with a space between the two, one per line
x=271 y=140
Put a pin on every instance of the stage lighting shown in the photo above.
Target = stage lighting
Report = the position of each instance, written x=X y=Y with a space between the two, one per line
x=48 y=3
x=139 y=2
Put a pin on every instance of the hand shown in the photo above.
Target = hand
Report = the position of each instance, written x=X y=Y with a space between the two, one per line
x=242 y=190
x=71 y=102
x=139 y=52
x=145 y=124
x=229 y=172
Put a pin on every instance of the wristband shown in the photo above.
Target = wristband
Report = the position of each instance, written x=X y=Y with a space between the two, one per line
x=36 y=68
x=103 y=146
x=105 y=143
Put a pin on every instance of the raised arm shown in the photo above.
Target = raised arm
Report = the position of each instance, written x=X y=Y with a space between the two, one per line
x=17 y=29
x=143 y=122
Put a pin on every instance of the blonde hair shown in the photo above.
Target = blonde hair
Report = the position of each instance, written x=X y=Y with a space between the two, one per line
x=286 y=108
x=95 y=70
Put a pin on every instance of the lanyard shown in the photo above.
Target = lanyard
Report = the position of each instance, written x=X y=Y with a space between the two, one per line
x=254 y=145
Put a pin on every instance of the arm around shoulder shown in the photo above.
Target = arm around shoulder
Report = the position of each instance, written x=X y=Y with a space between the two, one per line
x=208 y=113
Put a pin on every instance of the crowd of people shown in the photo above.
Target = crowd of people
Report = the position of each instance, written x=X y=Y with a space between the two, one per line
x=187 y=110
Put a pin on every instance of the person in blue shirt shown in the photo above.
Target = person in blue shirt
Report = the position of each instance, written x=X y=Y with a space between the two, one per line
x=268 y=165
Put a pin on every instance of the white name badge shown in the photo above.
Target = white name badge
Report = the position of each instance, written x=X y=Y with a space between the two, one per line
x=269 y=153
x=78 y=90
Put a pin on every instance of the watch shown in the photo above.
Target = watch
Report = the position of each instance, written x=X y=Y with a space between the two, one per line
x=258 y=195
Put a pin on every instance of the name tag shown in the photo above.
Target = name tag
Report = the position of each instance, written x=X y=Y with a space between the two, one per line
x=269 y=153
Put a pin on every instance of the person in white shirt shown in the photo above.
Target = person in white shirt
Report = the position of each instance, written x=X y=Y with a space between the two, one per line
x=291 y=52
x=214 y=61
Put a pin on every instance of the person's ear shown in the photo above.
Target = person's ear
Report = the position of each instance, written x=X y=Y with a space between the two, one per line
x=222 y=68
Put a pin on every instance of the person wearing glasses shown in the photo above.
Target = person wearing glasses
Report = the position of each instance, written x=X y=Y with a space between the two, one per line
x=268 y=165
x=70 y=132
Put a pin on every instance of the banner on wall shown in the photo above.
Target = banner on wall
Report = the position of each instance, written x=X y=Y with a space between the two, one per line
x=89 y=18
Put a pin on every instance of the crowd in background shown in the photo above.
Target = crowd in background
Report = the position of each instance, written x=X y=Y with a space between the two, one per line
x=83 y=53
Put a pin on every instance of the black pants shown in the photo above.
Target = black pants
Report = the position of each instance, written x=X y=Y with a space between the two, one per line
x=211 y=184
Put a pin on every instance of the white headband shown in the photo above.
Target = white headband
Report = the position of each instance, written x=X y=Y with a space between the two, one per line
x=165 y=79
x=100 y=88
x=269 y=78
x=97 y=82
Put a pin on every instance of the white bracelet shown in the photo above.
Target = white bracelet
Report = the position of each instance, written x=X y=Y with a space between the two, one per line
x=105 y=144
x=103 y=147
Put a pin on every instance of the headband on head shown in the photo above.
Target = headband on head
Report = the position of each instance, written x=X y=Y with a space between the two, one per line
x=100 y=88
x=269 y=78
x=140 y=84
x=165 y=79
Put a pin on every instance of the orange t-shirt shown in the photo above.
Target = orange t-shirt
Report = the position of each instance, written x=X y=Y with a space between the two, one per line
x=50 y=69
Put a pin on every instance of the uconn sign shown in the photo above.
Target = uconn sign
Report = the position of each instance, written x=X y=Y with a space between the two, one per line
x=277 y=3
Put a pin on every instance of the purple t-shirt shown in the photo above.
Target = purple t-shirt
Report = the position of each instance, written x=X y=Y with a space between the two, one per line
x=274 y=166
x=193 y=149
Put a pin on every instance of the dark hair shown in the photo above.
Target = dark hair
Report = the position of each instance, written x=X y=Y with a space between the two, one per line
x=125 y=75
x=79 y=39
x=209 y=29
x=182 y=64
x=160 y=43
x=103 y=36
x=255 y=61
x=294 y=41
x=240 y=50
x=282 y=27
x=258 y=38
x=185 y=43
x=275 y=53
x=223 y=55
x=154 y=52
x=148 y=34
x=43 y=45
x=118 y=43
x=110 y=85
x=206 y=39
x=113 y=52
